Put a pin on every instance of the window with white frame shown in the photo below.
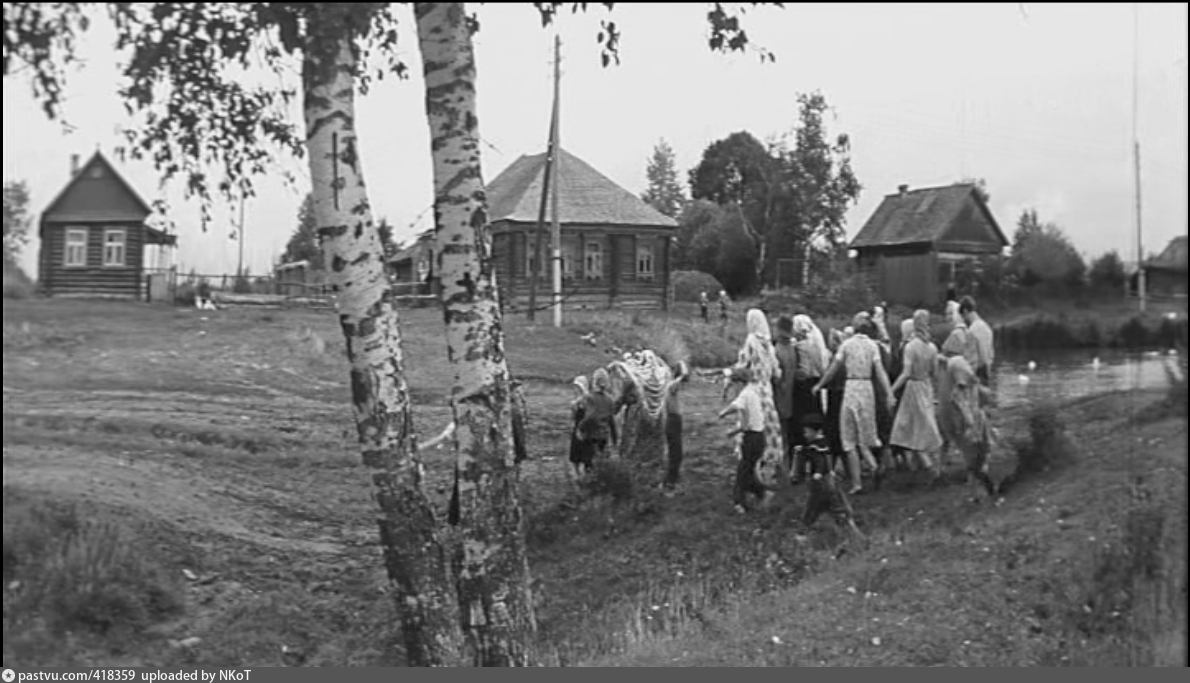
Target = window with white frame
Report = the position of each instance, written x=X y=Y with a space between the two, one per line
x=114 y=240
x=644 y=261
x=593 y=261
x=76 y=247
x=531 y=259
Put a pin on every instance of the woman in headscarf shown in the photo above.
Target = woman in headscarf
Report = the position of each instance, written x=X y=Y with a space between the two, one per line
x=760 y=358
x=812 y=360
x=973 y=434
x=956 y=345
x=580 y=454
x=834 y=397
x=859 y=359
x=885 y=403
x=915 y=428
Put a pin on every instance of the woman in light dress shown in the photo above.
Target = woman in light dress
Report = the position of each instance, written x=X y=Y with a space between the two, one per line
x=859 y=358
x=915 y=427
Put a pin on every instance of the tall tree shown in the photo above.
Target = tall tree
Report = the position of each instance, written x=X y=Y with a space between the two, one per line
x=1042 y=253
x=1107 y=272
x=303 y=243
x=16 y=219
x=664 y=192
x=786 y=194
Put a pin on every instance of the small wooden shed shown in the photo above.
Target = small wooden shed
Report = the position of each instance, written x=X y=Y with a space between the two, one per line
x=616 y=249
x=916 y=240
x=1166 y=273
x=94 y=240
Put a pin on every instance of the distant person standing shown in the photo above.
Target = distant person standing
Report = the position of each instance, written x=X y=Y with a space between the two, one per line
x=704 y=307
x=985 y=352
x=723 y=301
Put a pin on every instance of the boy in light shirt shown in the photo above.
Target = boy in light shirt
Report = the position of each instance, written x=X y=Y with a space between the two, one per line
x=750 y=410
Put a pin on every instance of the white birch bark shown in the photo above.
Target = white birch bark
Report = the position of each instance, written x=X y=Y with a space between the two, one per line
x=492 y=571
x=416 y=561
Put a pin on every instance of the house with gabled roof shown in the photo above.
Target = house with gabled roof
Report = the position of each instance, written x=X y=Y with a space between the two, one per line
x=616 y=249
x=915 y=243
x=1165 y=273
x=94 y=240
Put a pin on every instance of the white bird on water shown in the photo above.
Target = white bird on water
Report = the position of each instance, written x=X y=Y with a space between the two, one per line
x=1095 y=363
x=1032 y=365
x=1023 y=379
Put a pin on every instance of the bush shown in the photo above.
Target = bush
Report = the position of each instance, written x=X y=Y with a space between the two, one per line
x=688 y=284
x=17 y=284
x=1045 y=449
x=80 y=574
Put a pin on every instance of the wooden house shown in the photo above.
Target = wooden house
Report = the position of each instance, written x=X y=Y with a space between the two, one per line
x=917 y=240
x=94 y=240
x=1165 y=274
x=616 y=249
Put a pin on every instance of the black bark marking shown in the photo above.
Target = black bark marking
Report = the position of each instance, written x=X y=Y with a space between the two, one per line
x=350 y=157
x=338 y=264
x=332 y=231
x=469 y=285
x=324 y=121
x=362 y=258
x=335 y=187
x=453 y=512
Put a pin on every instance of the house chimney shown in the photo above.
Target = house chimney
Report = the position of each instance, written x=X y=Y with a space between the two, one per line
x=74 y=165
x=903 y=189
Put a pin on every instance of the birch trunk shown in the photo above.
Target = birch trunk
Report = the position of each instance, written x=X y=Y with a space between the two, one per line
x=491 y=568
x=417 y=563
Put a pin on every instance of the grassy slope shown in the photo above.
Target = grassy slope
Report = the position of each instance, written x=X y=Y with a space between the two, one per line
x=221 y=443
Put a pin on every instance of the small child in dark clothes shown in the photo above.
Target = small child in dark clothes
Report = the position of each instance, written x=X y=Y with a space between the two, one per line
x=825 y=494
x=597 y=426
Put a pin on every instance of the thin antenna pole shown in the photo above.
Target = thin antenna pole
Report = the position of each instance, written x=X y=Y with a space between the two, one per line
x=557 y=157
x=1140 y=253
x=240 y=270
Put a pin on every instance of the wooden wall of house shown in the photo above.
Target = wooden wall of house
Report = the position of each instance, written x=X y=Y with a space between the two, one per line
x=907 y=277
x=619 y=285
x=93 y=279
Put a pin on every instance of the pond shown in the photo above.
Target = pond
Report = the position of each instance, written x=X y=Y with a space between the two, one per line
x=1072 y=374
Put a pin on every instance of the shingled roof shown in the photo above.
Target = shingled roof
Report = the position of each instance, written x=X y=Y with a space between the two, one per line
x=585 y=196
x=919 y=216
x=1172 y=258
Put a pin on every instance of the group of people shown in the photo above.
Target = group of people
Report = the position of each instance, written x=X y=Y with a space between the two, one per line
x=859 y=404
x=836 y=415
x=704 y=306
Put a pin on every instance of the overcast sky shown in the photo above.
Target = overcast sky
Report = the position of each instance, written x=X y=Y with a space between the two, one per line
x=1036 y=99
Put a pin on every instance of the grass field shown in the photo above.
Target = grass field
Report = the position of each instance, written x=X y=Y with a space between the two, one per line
x=182 y=487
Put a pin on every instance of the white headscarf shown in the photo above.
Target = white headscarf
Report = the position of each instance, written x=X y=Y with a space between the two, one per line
x=804 y=325
x=758 y=324
x=758 y=351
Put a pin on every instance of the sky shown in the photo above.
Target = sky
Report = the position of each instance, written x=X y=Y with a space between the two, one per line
x=1036 y=99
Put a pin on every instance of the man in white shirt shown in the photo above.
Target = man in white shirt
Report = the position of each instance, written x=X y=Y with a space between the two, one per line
x=984 y=342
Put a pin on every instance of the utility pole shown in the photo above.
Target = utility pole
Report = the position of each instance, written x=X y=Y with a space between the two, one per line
x=556 y=228
x=240 y=270
x=1140 y=250
x=546 y=176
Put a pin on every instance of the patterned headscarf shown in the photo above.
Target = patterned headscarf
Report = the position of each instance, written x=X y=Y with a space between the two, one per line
x=582 y=383
x=757 y=351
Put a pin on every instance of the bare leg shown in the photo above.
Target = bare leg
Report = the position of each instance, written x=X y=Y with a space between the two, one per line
x=853 y=470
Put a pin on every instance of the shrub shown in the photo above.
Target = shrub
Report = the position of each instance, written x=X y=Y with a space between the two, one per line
x=17 y=284
x=688 y=284
x=1046 y=448
x=80 y=574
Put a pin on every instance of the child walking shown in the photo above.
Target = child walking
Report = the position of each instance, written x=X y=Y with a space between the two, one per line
x=750 y=410
x=825 y=493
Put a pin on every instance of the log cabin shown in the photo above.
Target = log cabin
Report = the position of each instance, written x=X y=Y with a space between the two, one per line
x=94 y=240
x=616 y=249
x=917 y=240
